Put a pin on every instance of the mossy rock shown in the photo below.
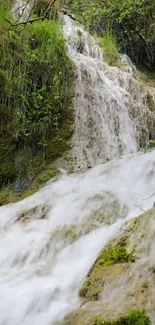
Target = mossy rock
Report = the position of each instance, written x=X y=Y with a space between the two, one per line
x=36 y=213
x=135 y=317
x=94 y=284
x=85 y=317
x=124 y=284
x=62 y=142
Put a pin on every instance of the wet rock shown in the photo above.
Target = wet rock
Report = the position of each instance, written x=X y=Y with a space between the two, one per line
x=36 y=213
x=125 y=282
x=104 y=209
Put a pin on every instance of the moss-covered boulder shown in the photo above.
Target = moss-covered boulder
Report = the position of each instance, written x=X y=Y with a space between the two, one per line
x=109 y=257
x=122 y=279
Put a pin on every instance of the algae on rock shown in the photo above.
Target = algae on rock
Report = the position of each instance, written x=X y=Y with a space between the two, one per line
x=125 y=280
x=121 y=283
x=94 y=284
x=83 y=317
x=134 y=317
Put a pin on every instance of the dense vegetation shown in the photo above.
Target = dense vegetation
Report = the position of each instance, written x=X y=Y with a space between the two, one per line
x=131 y=22
x=35 y=96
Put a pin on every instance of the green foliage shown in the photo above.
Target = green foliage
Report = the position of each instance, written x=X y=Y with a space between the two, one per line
x=4 y=11
x=152 y=143
x=130 y=21
x=94 y=284
x=41 y=7
x=110 y=48
x=36 y=90
x=113 y=255
x=135 y=317
x=133 y=24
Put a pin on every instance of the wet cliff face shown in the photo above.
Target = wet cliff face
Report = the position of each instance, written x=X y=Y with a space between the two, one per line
x=114 y=111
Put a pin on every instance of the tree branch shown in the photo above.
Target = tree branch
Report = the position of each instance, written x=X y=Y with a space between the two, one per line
x=31 y=21
x=65 y=12
x=139 y=207
x=148 y=196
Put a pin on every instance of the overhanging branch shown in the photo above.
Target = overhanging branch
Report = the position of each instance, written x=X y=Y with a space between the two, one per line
x=31 y=21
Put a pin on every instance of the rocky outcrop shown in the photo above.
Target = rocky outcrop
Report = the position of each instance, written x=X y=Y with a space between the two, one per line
x=123 y=276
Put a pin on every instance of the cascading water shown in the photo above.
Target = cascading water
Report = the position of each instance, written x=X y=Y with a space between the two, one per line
x=48 y=242
x=112 y=117
x=21 y=10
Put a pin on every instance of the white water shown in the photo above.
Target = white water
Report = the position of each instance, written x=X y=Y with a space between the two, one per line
x=40 y=277
x=112 y=116
x=39 y=280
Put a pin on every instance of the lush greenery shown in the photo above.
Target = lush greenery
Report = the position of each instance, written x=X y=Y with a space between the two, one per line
x=110 y=48
x=94 y=284
x=135 y=317
x=36 y=89
x=131 y=22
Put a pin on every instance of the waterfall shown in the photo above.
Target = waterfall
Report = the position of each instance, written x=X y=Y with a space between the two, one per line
x=21 y=10
x=112 y=116
x=49 y=241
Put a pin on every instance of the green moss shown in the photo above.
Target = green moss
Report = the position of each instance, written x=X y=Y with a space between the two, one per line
x=113 y=255
x=135 y=224
x=111 y=51
x=94 y=284
x=135 y=317
x=152 y=143
x=60 y=143
x=86 y=317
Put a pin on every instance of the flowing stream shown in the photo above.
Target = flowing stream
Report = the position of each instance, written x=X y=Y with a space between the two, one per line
x=49 y=241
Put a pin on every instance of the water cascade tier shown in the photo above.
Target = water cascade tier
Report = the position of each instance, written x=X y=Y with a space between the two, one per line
x=113 y=110
x=49 y=241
